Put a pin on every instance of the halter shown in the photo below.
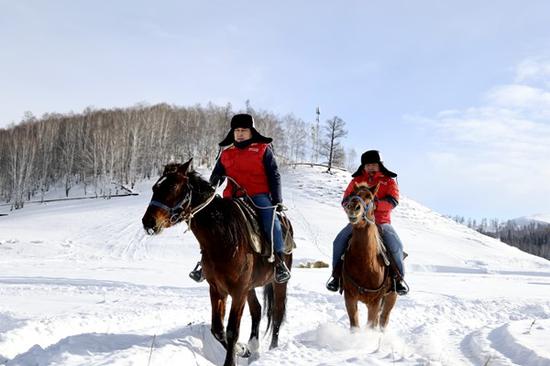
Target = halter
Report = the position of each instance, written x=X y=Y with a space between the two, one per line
x=183 y=210
x=176 y=211
x=366 y=207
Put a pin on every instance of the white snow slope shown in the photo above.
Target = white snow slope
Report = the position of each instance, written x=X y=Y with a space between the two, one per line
x=81 y=284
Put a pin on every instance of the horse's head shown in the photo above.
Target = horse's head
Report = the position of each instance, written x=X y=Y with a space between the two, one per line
x=360 y=204
x=171 y=199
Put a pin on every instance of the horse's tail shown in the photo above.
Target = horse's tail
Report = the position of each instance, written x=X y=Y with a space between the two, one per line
x=269 y=299
x=275 y=312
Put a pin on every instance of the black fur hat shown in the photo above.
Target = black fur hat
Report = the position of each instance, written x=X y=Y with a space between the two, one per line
x=371 y=157
x=244 y=120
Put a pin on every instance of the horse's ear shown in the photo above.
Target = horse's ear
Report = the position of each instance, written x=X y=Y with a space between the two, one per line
x=185 y=167
x=170 y=168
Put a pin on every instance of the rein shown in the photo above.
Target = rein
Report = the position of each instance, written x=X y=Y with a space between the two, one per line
x=183 y=210
x=250 y=199
x=196 y=210
x=274 y=207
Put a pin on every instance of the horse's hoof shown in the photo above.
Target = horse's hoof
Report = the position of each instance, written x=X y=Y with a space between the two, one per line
x=254 y=357
x=254 y=345
x=241 y=350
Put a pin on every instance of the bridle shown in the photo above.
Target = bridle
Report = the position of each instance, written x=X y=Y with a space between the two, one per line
x=175 y=212
x=366 y=207
x=183 y=211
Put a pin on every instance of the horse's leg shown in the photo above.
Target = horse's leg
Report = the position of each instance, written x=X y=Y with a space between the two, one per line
x=256 y=315
x=389 y=302
x=353 y=313
x=217 y=301
x=279 y=309
x=238 y=301
x=374 y=313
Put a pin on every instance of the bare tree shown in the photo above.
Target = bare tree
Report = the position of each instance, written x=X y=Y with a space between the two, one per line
x=99 y=147
x=67 y=147
x=21 y=161
x=351 y=158
x=296 y=131
x=46 y=132
x=331 y=147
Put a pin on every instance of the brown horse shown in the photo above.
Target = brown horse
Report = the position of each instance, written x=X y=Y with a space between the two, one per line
x=229 y=264
x=364 y=275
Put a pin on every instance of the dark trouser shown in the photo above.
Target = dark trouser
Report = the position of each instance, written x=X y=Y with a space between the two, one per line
x=271 y=228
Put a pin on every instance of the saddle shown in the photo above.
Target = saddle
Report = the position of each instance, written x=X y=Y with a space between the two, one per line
x=259 y=243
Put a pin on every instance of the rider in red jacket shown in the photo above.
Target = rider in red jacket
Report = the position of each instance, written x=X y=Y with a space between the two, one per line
x=388 y=192
x=248 y=160
x=372 y=171
x=246 y=166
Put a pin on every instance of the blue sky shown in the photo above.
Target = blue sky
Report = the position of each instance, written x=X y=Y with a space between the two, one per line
x=456 y=94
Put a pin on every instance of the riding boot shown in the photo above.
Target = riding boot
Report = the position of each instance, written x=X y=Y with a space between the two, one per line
x=282 y=273
x=333 y=283
x=401 y=286
x=196 y=274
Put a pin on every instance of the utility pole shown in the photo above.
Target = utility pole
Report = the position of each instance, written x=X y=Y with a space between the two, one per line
x=317 y=131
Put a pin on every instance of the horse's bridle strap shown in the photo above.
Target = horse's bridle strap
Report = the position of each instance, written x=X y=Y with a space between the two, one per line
x=176 y=211
x=160 y=205
x=366 y=207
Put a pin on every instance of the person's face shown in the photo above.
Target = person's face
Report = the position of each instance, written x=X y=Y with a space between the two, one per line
x=372 y=168
x=242 y=134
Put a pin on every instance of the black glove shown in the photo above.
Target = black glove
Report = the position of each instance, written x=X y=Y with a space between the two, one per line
x=279 y=207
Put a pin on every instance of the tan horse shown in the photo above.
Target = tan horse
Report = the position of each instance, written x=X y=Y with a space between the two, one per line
x=364 y=275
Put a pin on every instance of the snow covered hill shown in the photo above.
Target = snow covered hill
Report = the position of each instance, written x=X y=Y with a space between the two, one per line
x=81 y=284
x=536 y=218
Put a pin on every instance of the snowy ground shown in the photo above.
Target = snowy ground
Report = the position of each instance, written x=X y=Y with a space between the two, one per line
x=80 y=284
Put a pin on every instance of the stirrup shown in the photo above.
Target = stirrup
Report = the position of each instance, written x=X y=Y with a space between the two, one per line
x=196 y=274
x=400 y=286
x=333 y=284
x=282 y=273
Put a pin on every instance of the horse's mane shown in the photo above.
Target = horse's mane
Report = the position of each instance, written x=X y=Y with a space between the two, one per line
x=201 y=187
x=222 y=217
x=378 y=238
x=363 y=186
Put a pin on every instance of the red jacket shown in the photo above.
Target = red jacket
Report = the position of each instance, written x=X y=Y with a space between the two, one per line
x=388 y=192
x=246 y=167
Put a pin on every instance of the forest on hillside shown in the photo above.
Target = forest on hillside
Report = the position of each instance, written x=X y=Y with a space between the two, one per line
x=532 y=237
x=100 y=148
